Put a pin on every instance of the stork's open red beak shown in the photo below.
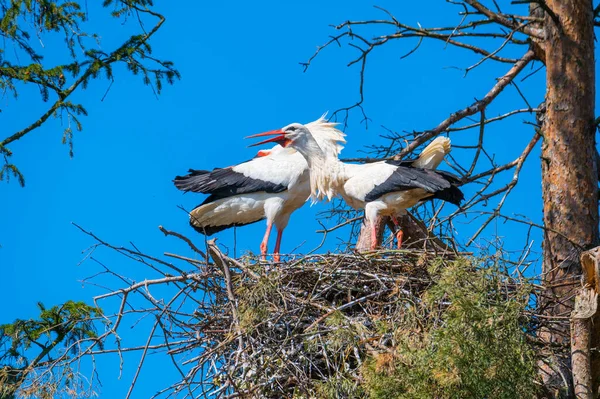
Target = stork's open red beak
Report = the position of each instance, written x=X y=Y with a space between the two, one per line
x=279 y=137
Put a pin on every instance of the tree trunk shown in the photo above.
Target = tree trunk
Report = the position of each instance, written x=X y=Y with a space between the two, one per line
x=569 y=175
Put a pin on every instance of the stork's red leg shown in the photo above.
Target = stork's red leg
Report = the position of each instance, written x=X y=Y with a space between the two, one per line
x=399 y=236
x=265 y=242
x=399 y=232
x=277 y=245
x=373 y=236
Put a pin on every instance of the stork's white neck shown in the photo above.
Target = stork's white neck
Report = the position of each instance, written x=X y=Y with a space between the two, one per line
x=326 y=171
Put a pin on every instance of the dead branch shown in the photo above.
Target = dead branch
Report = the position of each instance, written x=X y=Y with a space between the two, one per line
x=503 y=19
x=472 y=109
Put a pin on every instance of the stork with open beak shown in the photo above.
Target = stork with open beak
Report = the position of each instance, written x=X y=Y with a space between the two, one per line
x=271 y=186
x=384 y=188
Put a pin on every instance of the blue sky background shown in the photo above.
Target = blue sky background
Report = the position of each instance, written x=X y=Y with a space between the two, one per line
x=240 y=75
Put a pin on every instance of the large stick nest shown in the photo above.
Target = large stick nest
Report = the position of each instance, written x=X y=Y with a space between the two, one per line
x=286 y=329
x=309 y=327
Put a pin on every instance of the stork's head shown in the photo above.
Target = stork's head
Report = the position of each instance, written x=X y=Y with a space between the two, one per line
x=294 y=135
x=320 y=136
x=320 y=152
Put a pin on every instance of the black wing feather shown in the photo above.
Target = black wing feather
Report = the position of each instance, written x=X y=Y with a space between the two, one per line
x=223 y=183
x=441 y=184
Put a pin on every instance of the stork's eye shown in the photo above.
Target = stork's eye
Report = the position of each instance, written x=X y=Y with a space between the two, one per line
x=291 y=128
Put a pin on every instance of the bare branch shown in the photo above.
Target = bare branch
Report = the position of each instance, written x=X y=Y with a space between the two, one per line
x=474 y=108
x=502 y=19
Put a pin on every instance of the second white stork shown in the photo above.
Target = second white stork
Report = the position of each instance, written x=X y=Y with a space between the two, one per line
x=271 y=186
x=381 y=188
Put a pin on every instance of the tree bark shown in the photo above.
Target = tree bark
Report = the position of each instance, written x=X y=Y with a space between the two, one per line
x=569 y=170
x=586 y=305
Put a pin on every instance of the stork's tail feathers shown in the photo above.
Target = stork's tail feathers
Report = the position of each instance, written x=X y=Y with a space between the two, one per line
x=433 y=154
x=452 y=194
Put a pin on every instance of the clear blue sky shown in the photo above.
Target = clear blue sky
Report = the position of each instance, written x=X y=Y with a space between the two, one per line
x=240 y=75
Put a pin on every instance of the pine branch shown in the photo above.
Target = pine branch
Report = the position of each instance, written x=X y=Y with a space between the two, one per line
x=134 y=52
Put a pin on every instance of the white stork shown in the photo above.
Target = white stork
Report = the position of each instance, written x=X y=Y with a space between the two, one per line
x=380 y=188
x=272 y=185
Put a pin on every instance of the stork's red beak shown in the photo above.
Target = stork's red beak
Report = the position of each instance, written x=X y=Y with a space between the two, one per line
x=279 y=138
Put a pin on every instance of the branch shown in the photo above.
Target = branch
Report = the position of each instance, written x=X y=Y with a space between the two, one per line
x=184 y=238
x=543 y=5
x=472 y=109
x=344 y=306
x=115 y=56
x=218 y=258
x=503 y=20
x=137 y=255
x=506 y=189
x=449 y=35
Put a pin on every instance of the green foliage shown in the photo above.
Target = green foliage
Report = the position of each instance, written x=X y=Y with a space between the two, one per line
x=339 y=344
x=9 y=169
x=26 y=22
x=253 y=309
x=467 y=339
x=339 y=387
x=31 y=345
x=344 y=335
